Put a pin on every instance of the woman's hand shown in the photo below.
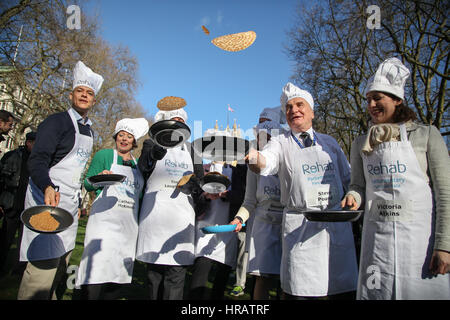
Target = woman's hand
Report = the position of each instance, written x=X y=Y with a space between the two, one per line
x=440 y=262
x=106 y=172
x=349 y=202
x=238 y=224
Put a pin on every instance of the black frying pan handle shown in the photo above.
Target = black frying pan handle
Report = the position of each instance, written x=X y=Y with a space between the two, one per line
x=56 y=188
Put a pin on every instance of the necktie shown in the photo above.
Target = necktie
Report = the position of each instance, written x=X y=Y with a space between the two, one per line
x=306 y=139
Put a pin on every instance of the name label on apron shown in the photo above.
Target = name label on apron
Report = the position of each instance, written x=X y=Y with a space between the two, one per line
x=321 y=196
x=391 y=210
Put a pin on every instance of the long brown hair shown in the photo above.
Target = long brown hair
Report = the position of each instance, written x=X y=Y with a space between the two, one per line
x=402 y=112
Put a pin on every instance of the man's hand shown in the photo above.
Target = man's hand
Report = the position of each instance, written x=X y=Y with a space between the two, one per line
x=211 y=196
x=223 y=194
x=157 y=152
x=440 y=262
x=252 y=156
x=51 y=197
x=255 y=161
x=106 y=172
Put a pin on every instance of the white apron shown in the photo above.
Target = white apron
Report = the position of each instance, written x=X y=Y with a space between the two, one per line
x=67 y=175
x=221 y=247
x=398 y=230
x=264 y=252
x=167 y=217
x=318 y=258
x=112 y=231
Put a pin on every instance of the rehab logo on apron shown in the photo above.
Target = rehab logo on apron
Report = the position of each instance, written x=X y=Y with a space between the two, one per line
x=322 y=180
x=384 y=175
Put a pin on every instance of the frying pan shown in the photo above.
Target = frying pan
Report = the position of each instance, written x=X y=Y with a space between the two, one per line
x=221 y=148
x=214 y=183
x=169 y=133
x=332 y=215
x=220 y=228
x=63 y=216
x=103 y=180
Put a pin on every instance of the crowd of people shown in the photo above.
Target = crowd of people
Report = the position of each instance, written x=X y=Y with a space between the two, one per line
x=399 y=174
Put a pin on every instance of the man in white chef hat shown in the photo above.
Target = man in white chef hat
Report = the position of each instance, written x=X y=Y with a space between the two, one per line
x=167 y=216
x=178 y=115
x=63 y=146
x=275 y=115
x=318 y=258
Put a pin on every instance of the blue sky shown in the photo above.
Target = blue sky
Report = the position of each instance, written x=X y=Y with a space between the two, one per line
x=177 y=58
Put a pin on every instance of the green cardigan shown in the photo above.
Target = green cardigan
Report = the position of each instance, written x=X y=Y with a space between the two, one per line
x=102 y=160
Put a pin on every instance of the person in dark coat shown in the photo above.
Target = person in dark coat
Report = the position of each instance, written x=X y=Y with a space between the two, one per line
x=205 y=265
x=6 y=125
x=13 y=185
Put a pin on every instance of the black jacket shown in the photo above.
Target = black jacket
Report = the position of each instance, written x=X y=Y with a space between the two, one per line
x=236 y=193
x=147 y=163
x=14 y=181
x=55 y=139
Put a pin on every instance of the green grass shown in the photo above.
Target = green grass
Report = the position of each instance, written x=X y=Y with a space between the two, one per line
x=137 y=290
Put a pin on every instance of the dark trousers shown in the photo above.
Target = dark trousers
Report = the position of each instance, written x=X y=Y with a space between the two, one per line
x=101 y=291
x=166 y=282
x=7 y=234
x=351 y=295
x=200 y=272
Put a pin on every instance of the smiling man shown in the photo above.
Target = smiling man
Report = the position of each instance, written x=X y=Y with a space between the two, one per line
x=62 y=148
x=318 y=258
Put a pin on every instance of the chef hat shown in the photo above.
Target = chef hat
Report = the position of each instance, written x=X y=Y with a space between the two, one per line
x=137 y=127
x=271 y=127
x=84 y=76
x=290 y=91
x=167 y=115
x=273 y=114
x=390 y=77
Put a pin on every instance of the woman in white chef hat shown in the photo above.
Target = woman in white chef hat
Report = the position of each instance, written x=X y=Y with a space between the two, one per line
x=112 y=229
x=262 y=205
x=401 y=171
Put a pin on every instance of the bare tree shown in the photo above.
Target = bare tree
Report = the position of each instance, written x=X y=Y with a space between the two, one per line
x=336 y=53
x=38 y=63
x=419 y=32
x=43 y=69
x=9 y=9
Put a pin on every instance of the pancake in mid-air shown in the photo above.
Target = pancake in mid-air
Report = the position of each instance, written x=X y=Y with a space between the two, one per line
x=235 y=42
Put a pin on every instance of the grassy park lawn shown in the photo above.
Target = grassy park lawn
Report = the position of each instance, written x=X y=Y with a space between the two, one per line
x=137 y=290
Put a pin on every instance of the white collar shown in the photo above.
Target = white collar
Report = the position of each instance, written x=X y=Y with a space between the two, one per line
x=78 y=117
x=310 y=131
